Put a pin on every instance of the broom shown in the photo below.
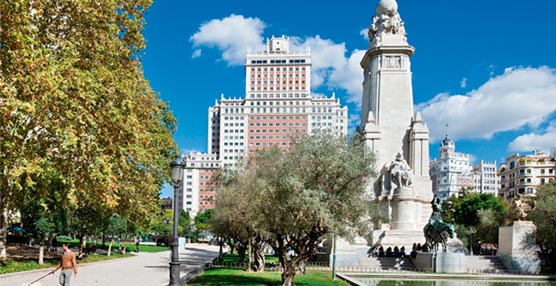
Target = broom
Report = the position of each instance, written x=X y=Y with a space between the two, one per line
x=34 y=283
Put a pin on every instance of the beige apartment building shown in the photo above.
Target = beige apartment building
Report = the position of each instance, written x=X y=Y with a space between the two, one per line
x=523 y=174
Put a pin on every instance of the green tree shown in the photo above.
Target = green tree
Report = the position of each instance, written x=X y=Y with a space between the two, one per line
x=184 y=223
x=43 y=226
x=235 y=220
x=117 y=225
x=485 y=213
x=201 y=221
x=544 y=215
x=75 y=106
x=307 y=192
x=163 y=225
x=468 y=215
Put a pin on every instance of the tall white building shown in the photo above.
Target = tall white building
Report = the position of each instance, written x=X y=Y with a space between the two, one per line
x=486 y=180
x=451 y=171
x=278 y=105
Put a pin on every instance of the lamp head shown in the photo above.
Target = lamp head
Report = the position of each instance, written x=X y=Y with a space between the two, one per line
x=176 y=171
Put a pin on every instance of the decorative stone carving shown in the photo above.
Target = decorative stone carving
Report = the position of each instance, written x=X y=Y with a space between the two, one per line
x=386 y=21
x=392 y=62
x=520 y=207
x=400 y=172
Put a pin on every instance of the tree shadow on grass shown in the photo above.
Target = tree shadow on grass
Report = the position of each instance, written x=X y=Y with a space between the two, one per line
x=236 y=276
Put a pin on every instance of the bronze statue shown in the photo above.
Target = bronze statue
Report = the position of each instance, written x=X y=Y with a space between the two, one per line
x=437 y=231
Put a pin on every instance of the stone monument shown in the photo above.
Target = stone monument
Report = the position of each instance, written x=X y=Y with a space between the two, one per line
x=398 y=136
x=516 y=243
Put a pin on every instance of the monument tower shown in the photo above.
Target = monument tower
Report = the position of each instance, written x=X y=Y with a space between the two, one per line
x=398 y=136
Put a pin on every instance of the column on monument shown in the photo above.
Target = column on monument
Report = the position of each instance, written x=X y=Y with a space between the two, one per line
x=419 y=147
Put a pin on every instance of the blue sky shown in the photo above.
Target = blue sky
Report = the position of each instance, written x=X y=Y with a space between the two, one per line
x=487 y=68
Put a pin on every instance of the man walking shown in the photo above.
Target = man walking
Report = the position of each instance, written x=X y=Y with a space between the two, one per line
x=68 y=264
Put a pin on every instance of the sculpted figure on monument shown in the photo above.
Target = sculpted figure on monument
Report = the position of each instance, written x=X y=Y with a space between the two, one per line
x=387 y=20
x=520 y=207
x=400 y=172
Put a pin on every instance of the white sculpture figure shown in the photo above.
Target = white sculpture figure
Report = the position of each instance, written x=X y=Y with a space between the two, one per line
x=386 y=21
x=400 y=172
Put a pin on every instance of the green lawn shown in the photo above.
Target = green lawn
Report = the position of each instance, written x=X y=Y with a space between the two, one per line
x=74 y=244
x=238 y=277
x=10 y=266
x=234 y=258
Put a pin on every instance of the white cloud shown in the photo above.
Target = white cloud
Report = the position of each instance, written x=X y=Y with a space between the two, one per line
x=534 y=141
x=521 y=97
x=463 y=82
x=364 y=33
x=196 y=53
x=330 y=66
x=232 y=35
x=349 y=76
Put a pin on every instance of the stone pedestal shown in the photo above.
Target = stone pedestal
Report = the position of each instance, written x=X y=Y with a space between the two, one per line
x=403 y=209
x=392 y=238
x=517 y=247
x=442 y=262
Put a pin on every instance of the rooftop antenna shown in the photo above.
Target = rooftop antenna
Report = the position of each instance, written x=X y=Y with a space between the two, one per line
x=446 y=130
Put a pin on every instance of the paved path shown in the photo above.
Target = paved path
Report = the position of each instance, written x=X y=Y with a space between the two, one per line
x=150 y=269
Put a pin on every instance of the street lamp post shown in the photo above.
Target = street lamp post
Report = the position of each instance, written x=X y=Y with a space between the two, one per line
x=177 y=178
x=472 y=230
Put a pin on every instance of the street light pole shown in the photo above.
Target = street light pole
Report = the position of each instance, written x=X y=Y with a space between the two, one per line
x=177 y=178
x=472 y=230
x=334 y=257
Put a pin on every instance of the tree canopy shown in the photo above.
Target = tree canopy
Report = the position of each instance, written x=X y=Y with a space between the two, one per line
x=76 y=112
x=294 y=198
x=544 y=215
x=482 y=212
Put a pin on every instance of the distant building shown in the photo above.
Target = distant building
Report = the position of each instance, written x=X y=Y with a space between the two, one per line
x=199 y=192
x=486 y=180
x=278 y=105
x=523 y=174
x=166 y=203
x=451 y=172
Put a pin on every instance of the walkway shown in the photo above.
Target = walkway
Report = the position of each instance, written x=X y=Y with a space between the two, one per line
x=144 y=269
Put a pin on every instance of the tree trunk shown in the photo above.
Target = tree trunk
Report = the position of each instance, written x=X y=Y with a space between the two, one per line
x=288 y=275
x=303 y=266
x=3 y=223
x=41 y=249
x=258 y=255
x=82 y=245
x=232 y=246
x=110 y=246
x=220 y=250
x=241 y=253
x=249 y=256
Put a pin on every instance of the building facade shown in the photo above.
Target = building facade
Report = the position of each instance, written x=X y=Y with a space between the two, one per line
x=199 y=192
x=278 y=105
x=485 y=178
x=523 y=174
x=451 y=172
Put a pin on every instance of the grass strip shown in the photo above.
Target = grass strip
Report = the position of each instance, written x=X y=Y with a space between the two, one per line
x=238 y=277
x=11 y=266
